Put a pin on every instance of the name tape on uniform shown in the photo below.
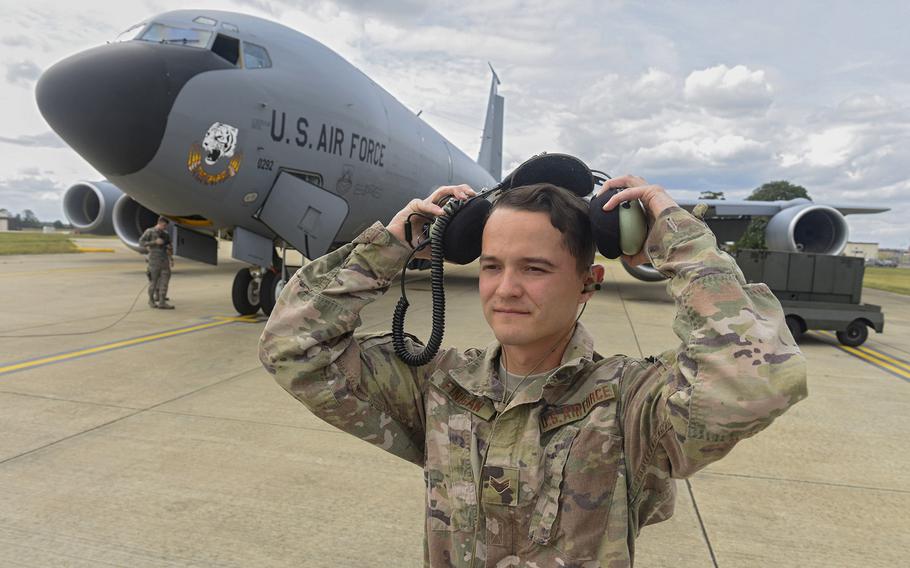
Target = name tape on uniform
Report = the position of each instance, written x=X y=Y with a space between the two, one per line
x=460 y=396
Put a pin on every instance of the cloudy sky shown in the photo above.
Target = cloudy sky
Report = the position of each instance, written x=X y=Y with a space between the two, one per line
x=710 y=95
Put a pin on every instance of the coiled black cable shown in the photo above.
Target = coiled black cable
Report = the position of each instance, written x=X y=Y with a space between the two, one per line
x=437 y=256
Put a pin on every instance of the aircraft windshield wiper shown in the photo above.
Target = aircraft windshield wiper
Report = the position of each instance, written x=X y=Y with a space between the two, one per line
x=182 y=41
x=160 y=33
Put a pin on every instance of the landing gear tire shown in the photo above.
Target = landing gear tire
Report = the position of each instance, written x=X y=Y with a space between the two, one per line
x=855 y=334
x=795 y=326
x=245 y=292
x=272 y=285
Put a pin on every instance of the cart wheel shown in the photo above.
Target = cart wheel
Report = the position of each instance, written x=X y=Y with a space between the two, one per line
x=795 y=325
x=855 y=334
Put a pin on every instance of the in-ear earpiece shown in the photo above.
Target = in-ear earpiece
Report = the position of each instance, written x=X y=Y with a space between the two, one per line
x=592 y=287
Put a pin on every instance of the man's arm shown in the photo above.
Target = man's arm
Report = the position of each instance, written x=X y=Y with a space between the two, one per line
x=147 y=238
x=738 y=367
x=357 y=384
x=310 y=348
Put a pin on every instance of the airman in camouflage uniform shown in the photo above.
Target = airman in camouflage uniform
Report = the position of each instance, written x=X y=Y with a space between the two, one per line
x=157 y=242
x=566 y=471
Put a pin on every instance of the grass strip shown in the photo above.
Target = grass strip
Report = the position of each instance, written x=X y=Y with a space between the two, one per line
x=889 y=279
x=25 y=242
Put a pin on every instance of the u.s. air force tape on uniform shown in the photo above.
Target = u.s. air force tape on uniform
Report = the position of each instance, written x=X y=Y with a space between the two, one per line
x=559 y=415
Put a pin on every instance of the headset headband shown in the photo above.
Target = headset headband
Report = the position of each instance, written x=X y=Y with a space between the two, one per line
x=560 y=170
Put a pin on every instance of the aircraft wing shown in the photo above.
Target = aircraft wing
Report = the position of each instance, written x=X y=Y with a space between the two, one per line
x=742 y=207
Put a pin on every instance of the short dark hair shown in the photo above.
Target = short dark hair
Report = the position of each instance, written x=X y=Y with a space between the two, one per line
x=164 y=220
x=568 y=214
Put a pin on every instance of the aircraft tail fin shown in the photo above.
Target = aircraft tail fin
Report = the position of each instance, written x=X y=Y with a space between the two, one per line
x=490 y=157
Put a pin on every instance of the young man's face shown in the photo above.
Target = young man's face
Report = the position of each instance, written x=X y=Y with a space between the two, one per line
x=530 y=286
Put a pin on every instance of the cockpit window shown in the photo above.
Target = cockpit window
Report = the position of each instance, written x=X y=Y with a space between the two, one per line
x=160 y=33
x=204 y=21
x=227 y=47
x=130 y=33
x=230 y=27
x=255 y=56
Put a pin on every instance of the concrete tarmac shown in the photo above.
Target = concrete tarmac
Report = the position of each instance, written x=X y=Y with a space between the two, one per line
x=162 y=442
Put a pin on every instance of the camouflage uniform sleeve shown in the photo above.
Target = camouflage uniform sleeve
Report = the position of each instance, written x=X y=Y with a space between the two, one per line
x=147 y=239
x=738 y=367
x=356 y=384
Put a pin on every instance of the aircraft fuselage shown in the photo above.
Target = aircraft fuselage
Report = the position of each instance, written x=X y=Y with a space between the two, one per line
x=226 y=129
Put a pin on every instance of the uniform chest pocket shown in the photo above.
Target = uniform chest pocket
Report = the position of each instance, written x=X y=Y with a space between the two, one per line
x=581 y=462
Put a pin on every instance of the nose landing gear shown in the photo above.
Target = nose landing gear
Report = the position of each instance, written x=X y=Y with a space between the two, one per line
x=245 y=293
x=273 y=282
x=258 y=288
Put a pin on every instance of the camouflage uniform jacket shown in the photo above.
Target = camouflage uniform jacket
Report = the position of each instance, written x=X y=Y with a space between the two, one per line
x=156 y=252
x=569 y=472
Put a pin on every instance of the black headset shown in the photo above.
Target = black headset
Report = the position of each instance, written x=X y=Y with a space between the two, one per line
x=456 y=236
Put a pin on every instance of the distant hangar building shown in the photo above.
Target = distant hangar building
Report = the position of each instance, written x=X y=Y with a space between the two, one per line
x=862 y=250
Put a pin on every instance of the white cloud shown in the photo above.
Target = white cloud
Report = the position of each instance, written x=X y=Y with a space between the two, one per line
x=706 y=152
x=726 y=91
x=45 y=139
x=41 y=194
x=22 y=72
x=626 y=87
x=831 y=147
x=17 y=40
x=463 y=43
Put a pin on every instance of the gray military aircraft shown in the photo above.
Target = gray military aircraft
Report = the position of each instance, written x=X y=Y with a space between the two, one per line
x=220 y=120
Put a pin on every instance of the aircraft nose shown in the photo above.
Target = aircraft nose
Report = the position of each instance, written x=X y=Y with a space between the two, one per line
x=111 y=103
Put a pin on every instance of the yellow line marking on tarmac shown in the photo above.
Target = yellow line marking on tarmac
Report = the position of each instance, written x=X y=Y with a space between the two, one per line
x=880 y=360
x=119 y=267
x=93 y=249
x=879 y=355
x=874 y=361
x=120 y=344
x=244 y=319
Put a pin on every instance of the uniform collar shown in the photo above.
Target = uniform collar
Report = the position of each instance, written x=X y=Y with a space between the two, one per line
x=478 y=376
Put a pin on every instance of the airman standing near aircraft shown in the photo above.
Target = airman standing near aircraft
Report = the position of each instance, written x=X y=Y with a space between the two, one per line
x=537 y=451
x=160 y=259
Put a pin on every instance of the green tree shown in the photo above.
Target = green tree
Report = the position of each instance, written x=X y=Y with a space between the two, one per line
x=754 y=237
x=30 y=220
x=712 y=195
x=777 y=191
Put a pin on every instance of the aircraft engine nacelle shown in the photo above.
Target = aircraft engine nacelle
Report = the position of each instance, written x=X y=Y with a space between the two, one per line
x=89 y=206
x=131 y=220
x=808 y=228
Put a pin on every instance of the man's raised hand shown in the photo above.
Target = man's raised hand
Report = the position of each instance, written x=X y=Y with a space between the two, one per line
x=653 y=198
x=424 y=211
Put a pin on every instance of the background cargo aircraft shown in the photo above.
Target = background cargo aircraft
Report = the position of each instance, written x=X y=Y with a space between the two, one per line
x=220 y=120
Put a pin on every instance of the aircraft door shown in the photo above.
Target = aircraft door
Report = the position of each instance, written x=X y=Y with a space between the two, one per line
x=302 y=214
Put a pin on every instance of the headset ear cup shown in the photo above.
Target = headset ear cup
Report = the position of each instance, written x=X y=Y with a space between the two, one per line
x=633 y=227
x=464 y=231
x=605 y=225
